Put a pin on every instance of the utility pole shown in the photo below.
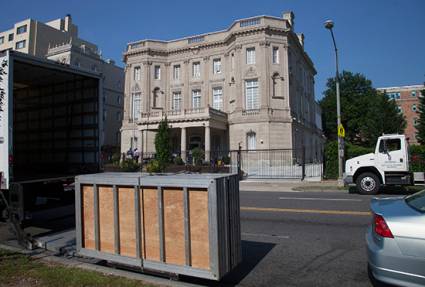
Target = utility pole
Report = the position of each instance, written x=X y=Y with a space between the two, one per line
x=329 y=24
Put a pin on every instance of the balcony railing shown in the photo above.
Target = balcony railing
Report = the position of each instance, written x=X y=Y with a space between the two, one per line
x=207 y=112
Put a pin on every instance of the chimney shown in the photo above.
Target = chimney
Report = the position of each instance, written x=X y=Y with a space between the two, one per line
x=301 y=39
x=290 y=17
x=68 y=22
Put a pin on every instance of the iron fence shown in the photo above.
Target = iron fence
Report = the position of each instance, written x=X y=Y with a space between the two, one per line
x=301 y=163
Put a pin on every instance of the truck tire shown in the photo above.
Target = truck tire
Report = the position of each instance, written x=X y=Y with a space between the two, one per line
x=368 y=183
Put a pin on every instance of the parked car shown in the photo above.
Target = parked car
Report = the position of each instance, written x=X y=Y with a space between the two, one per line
x=396 y=240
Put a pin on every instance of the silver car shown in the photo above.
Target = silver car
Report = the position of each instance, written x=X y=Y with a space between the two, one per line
x=396 y=240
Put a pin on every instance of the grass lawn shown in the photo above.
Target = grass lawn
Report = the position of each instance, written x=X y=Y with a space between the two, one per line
x=19 y=270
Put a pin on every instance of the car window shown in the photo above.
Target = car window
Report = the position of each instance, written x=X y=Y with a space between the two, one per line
x=417 y=201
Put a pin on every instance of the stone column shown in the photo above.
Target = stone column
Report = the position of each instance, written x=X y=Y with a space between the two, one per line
x=207 y=144
x=183 y=144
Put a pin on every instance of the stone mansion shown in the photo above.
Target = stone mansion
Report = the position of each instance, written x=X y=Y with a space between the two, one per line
x=251 y=85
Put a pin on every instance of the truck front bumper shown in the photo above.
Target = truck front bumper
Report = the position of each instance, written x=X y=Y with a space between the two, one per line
x=348 y=179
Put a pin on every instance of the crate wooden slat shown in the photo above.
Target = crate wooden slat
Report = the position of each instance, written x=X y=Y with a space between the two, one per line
x=185 y=224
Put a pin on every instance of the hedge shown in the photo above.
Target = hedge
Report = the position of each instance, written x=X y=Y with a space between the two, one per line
x=331 y=156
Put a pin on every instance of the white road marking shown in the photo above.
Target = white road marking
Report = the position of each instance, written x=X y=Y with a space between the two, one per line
x=323 y=199
x=266 y=235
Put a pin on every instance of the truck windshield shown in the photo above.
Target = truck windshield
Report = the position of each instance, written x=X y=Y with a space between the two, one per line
x=417 y=201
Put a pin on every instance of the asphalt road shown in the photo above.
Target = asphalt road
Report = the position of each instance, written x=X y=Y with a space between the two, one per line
x=302 y=239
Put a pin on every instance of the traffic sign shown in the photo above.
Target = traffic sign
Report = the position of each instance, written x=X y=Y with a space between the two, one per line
x=341 y=131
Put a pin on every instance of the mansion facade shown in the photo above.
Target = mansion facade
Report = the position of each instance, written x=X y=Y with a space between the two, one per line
x=251 y=85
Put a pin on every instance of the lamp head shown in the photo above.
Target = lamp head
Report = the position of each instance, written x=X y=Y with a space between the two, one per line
x=329 y=24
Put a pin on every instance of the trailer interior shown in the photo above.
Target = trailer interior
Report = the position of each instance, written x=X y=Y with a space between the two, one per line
x=56 y=126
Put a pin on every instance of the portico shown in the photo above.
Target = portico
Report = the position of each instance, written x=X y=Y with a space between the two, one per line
x=207 y=129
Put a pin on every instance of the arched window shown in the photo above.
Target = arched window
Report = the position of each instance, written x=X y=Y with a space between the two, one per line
x=251 y=140
x=156 y=98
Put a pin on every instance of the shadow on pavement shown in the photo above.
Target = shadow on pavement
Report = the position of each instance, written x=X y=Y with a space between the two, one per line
x=252 y=253
x=392 y=190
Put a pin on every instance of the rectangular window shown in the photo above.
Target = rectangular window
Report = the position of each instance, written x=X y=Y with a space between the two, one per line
x=136 y=105
x=413 y=93
x=218 y=98
x=251 y=95
x=196 y=99
x=250 y=56
x=177 y=100
x=275 y=55
x=10 y=37
x=196 y=70
x=250 y=22
x=157 y=73
x=118 y=116
x=217 y=66
x=137 y=73
x=20 y=44
x=176 y=72
x=1 y=40
x=21 y=29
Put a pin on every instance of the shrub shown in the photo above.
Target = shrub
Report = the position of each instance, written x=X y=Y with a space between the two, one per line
x=116 y=157
x=162 y=144
x=226 y=159
x=178 y=160
x=129 y=165
x=154 y=166
x=198 y=156
x=417 y=158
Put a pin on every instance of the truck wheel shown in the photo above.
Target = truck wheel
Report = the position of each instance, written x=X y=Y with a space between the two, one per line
x=368 y=183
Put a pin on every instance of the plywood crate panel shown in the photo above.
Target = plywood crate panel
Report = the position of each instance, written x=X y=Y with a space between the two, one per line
x=181 y=224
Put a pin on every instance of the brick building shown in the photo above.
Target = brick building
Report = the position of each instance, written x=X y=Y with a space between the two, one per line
x=407 y=99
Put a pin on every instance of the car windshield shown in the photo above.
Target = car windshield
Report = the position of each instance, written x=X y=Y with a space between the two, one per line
x=417 y=201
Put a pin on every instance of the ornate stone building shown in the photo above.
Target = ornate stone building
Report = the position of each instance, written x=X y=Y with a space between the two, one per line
x=251 y=85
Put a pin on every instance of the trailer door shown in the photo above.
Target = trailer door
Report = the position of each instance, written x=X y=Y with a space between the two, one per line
x=5 y=125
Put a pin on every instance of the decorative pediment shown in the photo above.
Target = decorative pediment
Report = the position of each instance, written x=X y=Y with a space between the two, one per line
x=251 y=73
x=135 y=88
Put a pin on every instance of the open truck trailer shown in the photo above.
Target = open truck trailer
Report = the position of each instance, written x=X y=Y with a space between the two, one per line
x=50 y=131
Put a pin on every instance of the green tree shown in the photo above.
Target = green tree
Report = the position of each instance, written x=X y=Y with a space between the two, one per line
x=420 y=134
x=162 y=144
x=365 y=112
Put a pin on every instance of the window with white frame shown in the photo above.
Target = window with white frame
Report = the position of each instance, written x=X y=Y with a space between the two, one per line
x=275 y=55
x=176 y=72
x=157 y=73
x=137 y=73
x=196 y=70
x=196 y=99
x=20 y=44
x=414 y=108
x=136 y=105
x=251 y=141
x=218 y=98
x=177 y=100
x=413 y=93
x=250 y=56
x=217 y=66
x=252 y=101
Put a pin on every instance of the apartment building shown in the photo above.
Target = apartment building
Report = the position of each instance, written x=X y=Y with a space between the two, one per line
x=407 y=100
x=250 y=85
x=58 y=40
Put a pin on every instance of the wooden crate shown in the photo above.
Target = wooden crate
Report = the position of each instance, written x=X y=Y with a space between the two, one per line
x=183 y=224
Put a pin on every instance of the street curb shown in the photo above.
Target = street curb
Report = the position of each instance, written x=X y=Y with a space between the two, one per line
x=49 y=257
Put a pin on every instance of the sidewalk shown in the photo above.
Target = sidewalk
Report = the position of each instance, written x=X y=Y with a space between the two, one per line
x=285 y=185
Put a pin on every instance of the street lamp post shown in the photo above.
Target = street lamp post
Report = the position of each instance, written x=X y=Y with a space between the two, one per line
x=329 y=24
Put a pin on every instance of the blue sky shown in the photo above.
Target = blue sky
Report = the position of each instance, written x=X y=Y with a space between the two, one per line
x=383 y=39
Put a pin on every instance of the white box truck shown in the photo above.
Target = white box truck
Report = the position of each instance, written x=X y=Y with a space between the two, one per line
x=50 y=130
x=388 y=165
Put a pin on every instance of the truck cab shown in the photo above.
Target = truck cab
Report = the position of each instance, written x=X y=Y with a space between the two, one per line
x=388 y=165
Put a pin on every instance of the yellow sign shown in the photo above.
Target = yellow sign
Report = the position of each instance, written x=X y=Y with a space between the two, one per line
x=341 y=131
